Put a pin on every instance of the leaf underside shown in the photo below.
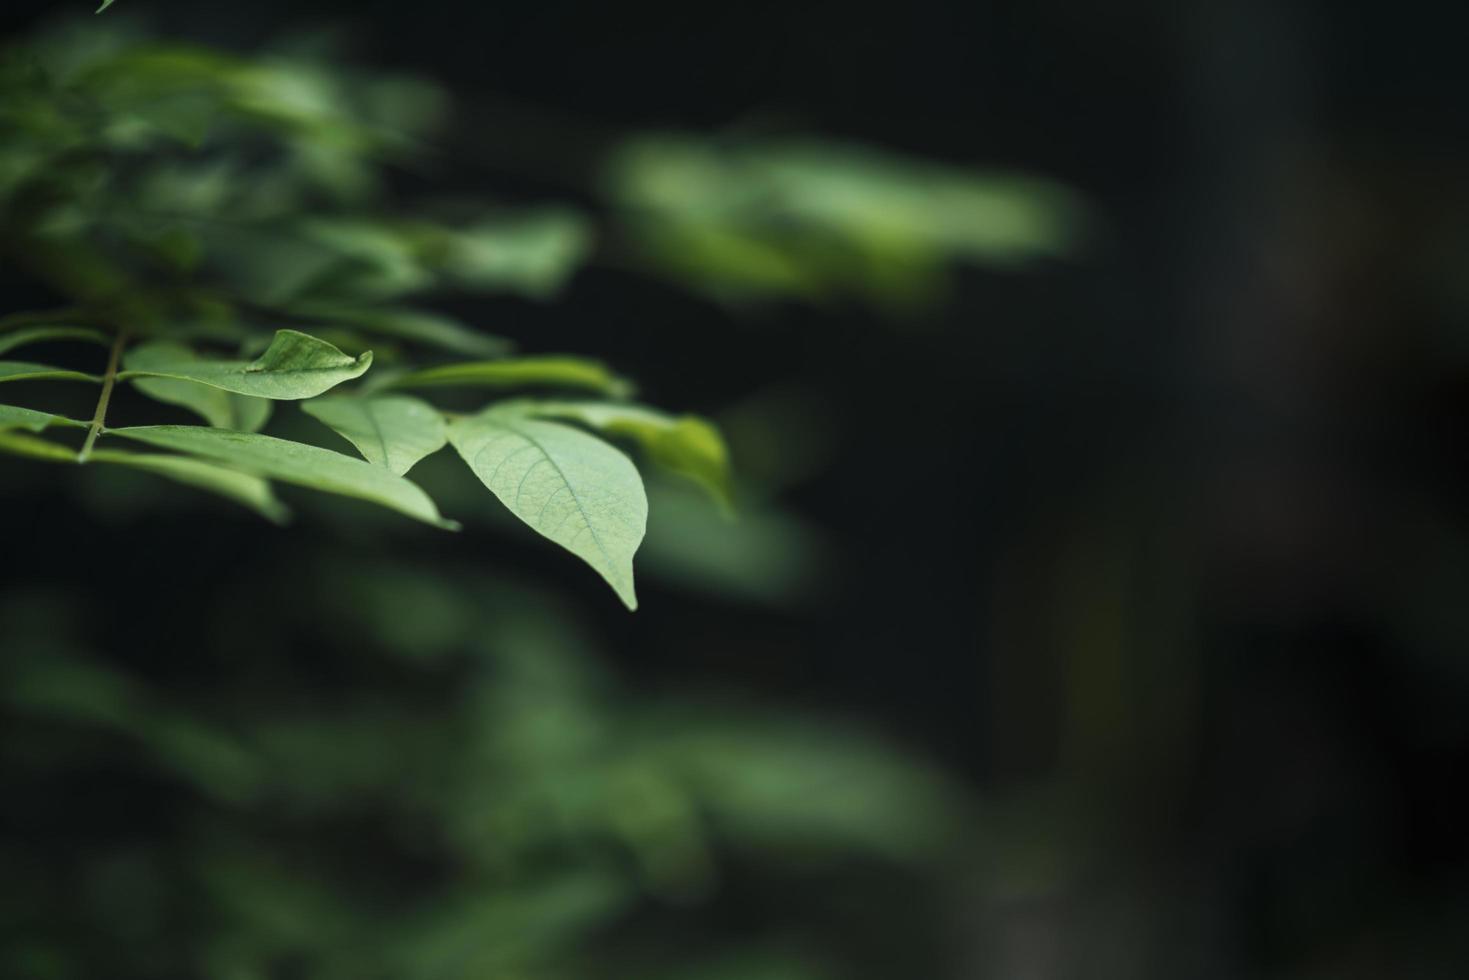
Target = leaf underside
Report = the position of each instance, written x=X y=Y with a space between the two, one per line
x=686 y=444
x=573 y=488
x=392 y=431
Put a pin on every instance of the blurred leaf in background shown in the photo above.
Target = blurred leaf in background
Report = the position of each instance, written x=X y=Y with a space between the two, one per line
x=747 y=219
x=502 y=808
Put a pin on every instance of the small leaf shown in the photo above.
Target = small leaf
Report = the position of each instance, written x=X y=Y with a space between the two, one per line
x=25 y=371
x=569 y=486
x=416 y=326
x=293 y=462
x=686 y=444
x=40 y=335
x=394 y=431
x=243 y=488
x=296 y=365
x=220 y=408
x=15 y=417
x=522 y=372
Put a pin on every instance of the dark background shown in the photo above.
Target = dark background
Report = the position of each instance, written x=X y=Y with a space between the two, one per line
x=1183 y=596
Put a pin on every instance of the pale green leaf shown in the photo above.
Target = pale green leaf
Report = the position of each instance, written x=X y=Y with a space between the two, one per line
x=219 y=407
x=296 y=365
x=688 y=445
x=41 y=335
x=522 y=372
x=243 y=488
x=15 y=417
x=26 y=371
x=293 y=462
x=394 y=431
x=569 y=486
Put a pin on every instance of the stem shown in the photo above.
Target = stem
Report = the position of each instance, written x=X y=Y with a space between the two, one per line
x=108 y=380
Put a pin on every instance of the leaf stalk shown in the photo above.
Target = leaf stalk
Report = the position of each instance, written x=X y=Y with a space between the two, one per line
x=108 y=380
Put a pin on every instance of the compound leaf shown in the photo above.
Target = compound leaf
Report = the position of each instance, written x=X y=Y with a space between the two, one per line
x=571 y=487
x=394 y=431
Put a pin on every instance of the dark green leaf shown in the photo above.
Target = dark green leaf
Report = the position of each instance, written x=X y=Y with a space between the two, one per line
x=40 y=335
x=26 y=371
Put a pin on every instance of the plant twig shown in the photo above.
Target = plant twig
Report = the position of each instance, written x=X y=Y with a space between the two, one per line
x=108 y=380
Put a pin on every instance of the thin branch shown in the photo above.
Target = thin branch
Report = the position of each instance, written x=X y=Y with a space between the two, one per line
x=108 y=380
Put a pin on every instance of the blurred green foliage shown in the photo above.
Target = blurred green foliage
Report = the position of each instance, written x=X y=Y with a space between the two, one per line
x=524 y=816
x=746 y=219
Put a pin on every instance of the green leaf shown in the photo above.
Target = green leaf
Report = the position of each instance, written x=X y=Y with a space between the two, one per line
x=15 y=417
x=26 y=371
x=221 y=408
x=22 y=445
x=532 y=252
x=293 y=462
x=394 y=431
x=296 y=365
x=522 y=372
x=40 y=318
x=243 y=488
x=569 y=486
x=416 y=326
x=105 y=5
x=687 y=444
x=39 y=335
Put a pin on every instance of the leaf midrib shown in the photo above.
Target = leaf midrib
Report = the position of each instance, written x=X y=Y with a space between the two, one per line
x=585 y=517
